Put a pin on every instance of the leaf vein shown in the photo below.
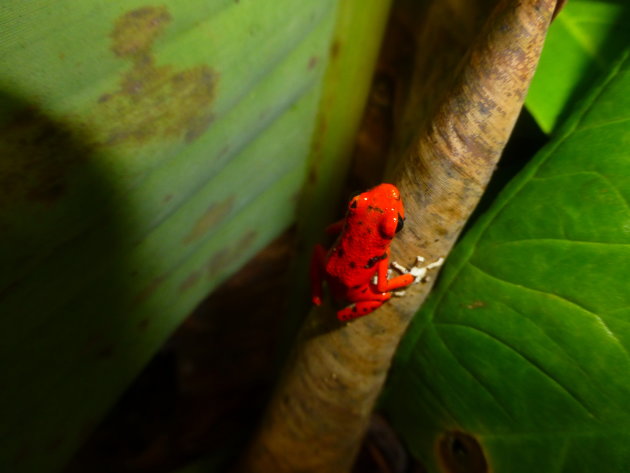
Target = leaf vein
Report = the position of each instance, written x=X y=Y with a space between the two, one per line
x=562 y=454
x=565 y=240
x=438 y=399
x=580 y=38
x=603 y=177
x=473 y=375
x=532 y=362
x=564 y=299
x=557 y=344
x=603 y=124
x=590 y=432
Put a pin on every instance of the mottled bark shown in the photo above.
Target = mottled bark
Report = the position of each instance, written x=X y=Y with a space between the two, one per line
x=319 y=412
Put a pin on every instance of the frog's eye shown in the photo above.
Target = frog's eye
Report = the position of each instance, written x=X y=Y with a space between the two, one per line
x=401 y=223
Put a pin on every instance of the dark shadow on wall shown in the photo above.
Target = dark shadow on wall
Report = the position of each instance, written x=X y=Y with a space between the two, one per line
x=62 y=295
x=198 y=401
x=72 y=333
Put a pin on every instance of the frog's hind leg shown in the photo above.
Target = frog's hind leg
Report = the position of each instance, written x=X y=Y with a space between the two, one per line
x=359 y=309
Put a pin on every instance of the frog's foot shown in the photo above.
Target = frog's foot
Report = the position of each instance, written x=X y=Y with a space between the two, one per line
x=418 y=271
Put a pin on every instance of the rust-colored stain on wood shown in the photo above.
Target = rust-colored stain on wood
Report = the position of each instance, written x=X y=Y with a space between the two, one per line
x=313 y=62
x=153 y=101
x=211 y=217
x=148 y=290
x=191 y=281
x=335 y=49
x=221 y=259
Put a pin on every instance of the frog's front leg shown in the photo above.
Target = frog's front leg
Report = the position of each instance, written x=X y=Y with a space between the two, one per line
x=417 y=271
x=383 y=284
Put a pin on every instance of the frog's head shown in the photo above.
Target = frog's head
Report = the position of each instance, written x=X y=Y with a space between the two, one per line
x=380 y=209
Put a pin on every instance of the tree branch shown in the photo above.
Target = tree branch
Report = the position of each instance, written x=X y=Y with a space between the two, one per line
x=320 y=410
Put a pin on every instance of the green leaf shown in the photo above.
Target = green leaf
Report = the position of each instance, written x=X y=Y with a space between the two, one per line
x=583 y=41
x=146 y=153
x=524 y=346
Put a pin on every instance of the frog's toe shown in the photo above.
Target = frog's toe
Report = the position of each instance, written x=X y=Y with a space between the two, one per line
x=418 y=271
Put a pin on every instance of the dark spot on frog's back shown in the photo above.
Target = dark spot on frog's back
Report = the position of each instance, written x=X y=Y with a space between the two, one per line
x=375 y=209
x=372 y=261
x=152 y=102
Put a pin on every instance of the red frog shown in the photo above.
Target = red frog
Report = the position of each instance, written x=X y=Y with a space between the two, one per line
x=357 y=265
